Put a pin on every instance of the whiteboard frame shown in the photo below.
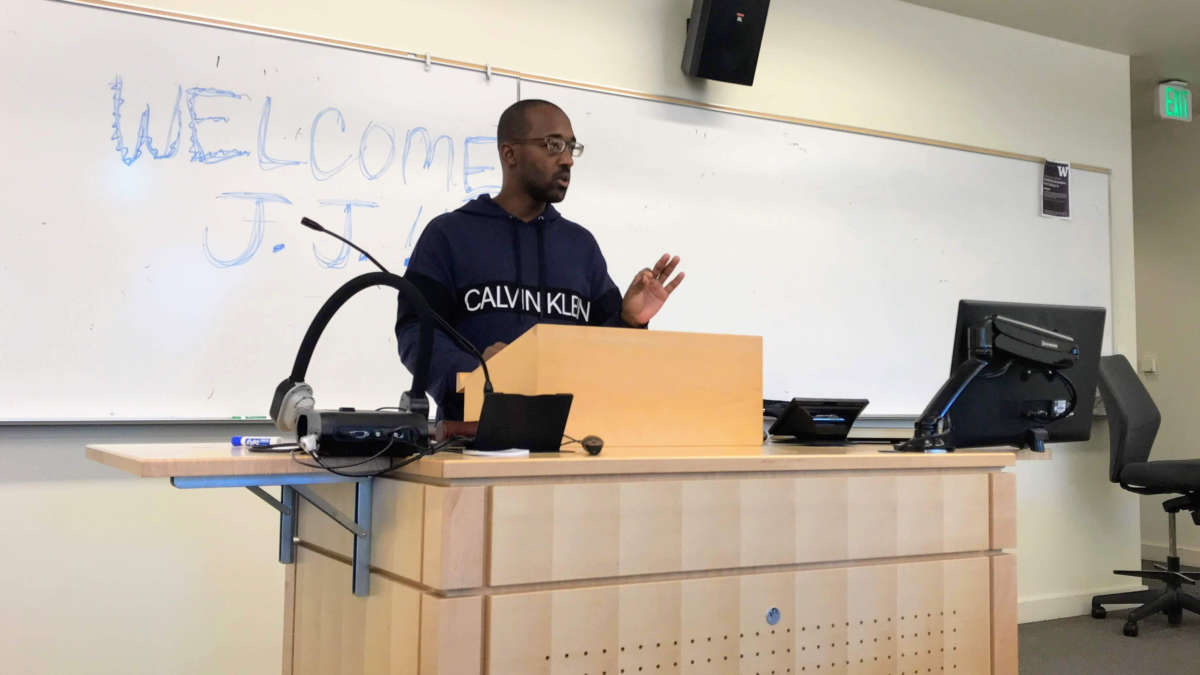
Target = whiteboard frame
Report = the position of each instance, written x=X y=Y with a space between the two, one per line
x=488 y=70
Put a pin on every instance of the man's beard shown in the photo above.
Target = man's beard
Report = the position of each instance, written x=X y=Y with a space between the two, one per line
x=551 y=194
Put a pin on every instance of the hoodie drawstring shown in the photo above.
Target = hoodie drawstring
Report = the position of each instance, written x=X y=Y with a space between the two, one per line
x=516 y=244
x=540 y=224
x=541 y=234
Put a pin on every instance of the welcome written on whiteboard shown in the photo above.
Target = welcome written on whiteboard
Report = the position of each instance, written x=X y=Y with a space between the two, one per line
x=198 y=121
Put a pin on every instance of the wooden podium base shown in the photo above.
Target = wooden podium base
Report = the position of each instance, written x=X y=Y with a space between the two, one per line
x=858 y=562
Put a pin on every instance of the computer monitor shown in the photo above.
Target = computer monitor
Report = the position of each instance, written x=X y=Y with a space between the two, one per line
x=1021 y=375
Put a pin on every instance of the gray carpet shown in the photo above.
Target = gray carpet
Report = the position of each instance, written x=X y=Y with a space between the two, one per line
x=1096 y=646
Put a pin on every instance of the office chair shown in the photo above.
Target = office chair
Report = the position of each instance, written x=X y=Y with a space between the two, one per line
x=1133 y=422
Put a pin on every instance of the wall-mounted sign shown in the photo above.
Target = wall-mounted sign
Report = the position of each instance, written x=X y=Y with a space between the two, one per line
x=1056 y=189
x=1174 y=101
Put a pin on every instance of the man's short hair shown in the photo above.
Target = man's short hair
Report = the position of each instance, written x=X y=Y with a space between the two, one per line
x=514 y=121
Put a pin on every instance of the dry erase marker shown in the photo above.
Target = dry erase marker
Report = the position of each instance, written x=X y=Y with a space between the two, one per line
x=254 y=441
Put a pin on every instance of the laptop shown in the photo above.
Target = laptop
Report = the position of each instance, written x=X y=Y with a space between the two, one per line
x=517 y=421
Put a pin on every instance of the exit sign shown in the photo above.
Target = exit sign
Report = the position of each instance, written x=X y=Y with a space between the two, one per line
x=1174 y=101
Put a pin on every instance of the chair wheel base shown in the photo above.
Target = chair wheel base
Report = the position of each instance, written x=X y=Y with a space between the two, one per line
x=1130 y=629
x=1099 y=612
x=1175 y=616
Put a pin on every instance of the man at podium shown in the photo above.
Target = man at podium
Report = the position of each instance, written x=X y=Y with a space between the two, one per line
x=495 y=267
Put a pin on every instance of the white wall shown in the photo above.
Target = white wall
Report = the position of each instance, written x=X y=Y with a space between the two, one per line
x=1168 y=289
x=880 y=64
x=106 y=573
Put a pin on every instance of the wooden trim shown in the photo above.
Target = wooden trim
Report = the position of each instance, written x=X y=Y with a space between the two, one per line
x=420 y=646
x=708 y=475
x=349 y=562
x=693 y=460
x=488 y=524
x=516 y=589
x=289 y=616
x=1004 y=614
x=485 y=643
x=790 y=119
x=1003 y=495
x=116 y=461
x=169 y=460
x=529 y=77
x=164 y=460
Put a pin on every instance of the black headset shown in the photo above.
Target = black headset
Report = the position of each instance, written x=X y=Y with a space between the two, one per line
x=294 y=396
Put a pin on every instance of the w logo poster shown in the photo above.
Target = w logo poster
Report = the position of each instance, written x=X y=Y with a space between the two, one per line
x=1056 y=189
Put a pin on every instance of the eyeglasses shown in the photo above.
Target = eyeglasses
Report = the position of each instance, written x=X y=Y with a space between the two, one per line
x=555 y=144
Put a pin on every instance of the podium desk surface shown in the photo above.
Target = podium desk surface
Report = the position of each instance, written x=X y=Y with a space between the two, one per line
x=165 y=460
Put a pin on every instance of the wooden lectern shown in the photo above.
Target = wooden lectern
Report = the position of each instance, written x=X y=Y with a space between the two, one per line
x=716 y=556
x=636 y=387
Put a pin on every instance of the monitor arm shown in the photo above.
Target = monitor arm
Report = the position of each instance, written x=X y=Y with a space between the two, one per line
x=996 y=336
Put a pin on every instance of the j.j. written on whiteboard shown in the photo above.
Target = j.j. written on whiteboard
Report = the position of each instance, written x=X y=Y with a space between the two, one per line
x=338 y=163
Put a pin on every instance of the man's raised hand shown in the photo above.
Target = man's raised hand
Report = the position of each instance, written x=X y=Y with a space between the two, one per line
x=649 y=290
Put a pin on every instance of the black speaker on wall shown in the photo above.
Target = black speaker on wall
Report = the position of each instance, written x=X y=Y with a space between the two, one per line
x=723 y=38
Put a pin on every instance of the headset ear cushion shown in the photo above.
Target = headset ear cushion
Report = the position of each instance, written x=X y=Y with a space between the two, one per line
x=277 y=400
x=291 y=399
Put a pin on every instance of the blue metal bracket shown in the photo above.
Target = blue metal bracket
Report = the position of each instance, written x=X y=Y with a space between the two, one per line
x=275 y=503
x=362 y=545
x=293 y=486
x=191 y=482
x=287 y=526
x=330 y=510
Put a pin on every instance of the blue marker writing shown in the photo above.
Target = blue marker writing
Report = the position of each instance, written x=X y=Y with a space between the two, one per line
x=255 y=441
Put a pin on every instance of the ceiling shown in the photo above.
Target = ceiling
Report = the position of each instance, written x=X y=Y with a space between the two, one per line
x=1162 y=35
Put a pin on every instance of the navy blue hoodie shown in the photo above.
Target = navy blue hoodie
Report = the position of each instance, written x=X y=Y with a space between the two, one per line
x=493 y=276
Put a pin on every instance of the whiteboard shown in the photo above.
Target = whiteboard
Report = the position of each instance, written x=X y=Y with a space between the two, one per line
x=155 y=269
x=180 y=285
x=848 y=253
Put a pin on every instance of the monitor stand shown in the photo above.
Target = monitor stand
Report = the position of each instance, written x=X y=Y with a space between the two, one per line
x=1036 y=439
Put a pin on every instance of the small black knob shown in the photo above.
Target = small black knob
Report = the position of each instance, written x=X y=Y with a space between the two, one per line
x=592 y=444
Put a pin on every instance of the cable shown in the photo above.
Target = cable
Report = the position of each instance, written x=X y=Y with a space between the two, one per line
x=448 y=443
x=923 y=443
x=418 y=453
x=569 y=441
x=1073 y=401
x=993 y=375
x=320 y=464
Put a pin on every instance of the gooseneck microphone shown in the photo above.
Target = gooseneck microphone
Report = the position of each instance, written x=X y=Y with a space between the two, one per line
x=314 y=225
x=449 y=330
x=350 y=433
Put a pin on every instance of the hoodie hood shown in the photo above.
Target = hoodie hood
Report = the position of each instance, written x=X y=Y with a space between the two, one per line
x=484 y=205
